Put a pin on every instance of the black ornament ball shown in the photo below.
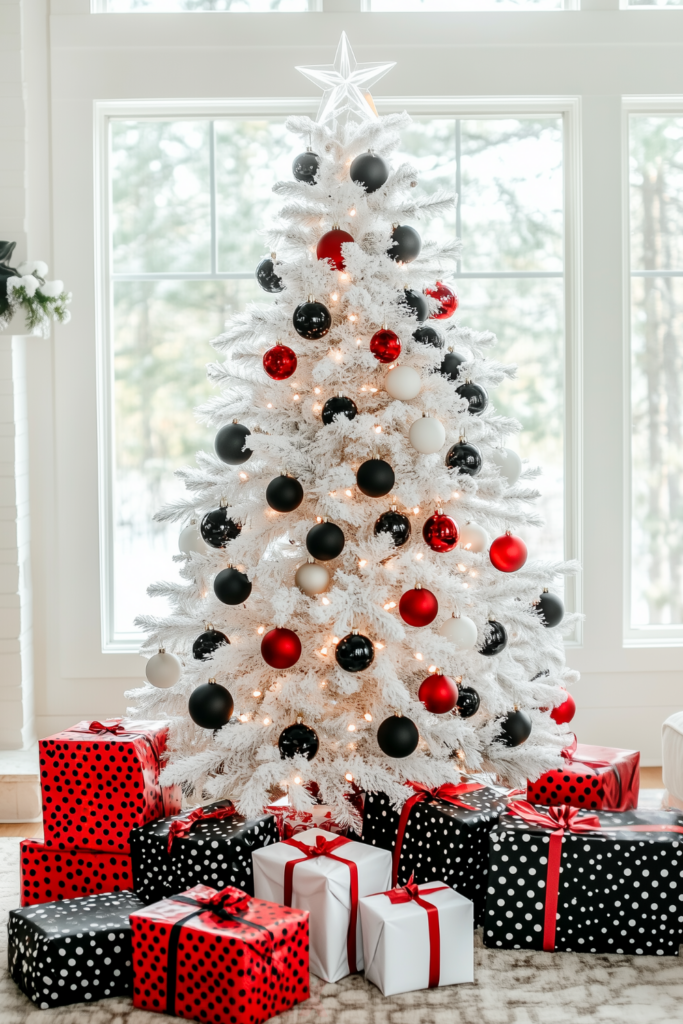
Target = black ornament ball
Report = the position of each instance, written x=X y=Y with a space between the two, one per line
x=339 y=406
x=217 y=528
x=428 y=336
x=416 y=302
x=325 y=541
x=312 y=320
x=476 y=395
x=298 y=739
x=496 y=639
x=450 y=366
x=396 y=525
x=551 y=608
x=208 y=642
x=210 y=706
x=375 y=477
x=370 y=171
x=284 y=493
x=229 y=444
x=354 y=652
x=515 y=728
x=231 y=586
x=406 y=244
x=267 y=278
x=306 y=166
x=468 y=701
x=465 y=457
x=397 y=736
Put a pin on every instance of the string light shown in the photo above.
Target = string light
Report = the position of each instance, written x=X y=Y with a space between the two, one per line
x=317 y=407
x=343 y=276
x=432 y=668
x=473 y=572
x=379 y=646
x=349 y=777
x=416 y=510
x=334 y=296
x=363 y=562
x=456 y=494
x=418 y=656
x=297 y=780
x=323 y=650
x=418 y=556
x=266 y=721
x=388 y=605
x=317 y=390
x=358 y=342
x=352 y=212
x=352 y=317
x=319 y=519
x=352 y=727
x=296 y=398
x=270 y=405
x=374 y=390
x=348 y=493
x=244 y=718
x=256 y=693
x=461 y=567
x=326 y=600
x=243 y=476
x=261 y=629
x=378 y=429
x=335 y=639
x=367 y=716
x=323 y=683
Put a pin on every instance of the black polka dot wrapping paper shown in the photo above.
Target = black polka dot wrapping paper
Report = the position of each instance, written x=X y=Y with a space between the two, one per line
x=48 y=874
x=597 y=778
x=570 y=880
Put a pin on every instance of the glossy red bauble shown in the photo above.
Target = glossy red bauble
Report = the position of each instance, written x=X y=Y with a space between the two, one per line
x=281 y=648
x=508 y=553
x=448 y=299
x=418 y=607
x=439 y=694
x=565 y=712
x=441 y=532
x=385 y=346
x=279 y=362
x=329 y=246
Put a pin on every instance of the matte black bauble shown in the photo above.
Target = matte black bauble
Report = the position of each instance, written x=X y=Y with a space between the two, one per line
x=208 y=642
x=210 y=706
x=267 y=278
x=370 y=171
x=217 y=528
x=306 y=166
x=396 y=525
x=339 y=406
x=450 y=366
x=406 y=244
x=551 y=608
x=231 y=586
x=398 y=736
x=468 y=701
x=428 y=336
x=312 y=320
x=229 y=444
x=284 y=493
x=354 y=653
x=465 y=457
x=375 y=477
x=298 y=739
x=415 y=301
x=515 y=728
x=496 y=639
x=476 y=395
x=325 y=541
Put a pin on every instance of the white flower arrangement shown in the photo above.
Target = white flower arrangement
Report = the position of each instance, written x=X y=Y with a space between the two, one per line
x=40 y=299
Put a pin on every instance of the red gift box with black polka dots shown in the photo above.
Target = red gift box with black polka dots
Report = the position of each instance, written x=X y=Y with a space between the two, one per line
x=101 y=779
x=598 y=778
x=239 y=968
x=48 y=874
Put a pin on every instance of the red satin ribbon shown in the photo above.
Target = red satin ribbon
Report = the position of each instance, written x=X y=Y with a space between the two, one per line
x=101 y=727
x=412 y=893
x=561 y=820
x=325 y=848
x=230 y=900
x=182 y=826
x=449 y=793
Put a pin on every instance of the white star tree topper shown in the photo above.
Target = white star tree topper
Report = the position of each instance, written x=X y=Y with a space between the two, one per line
x=345 y=85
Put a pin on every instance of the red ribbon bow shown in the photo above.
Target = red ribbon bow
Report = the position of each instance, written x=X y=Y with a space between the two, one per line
x=183 y=826
x=325 y=847
x=411 y=893
x=101 y=727
x=230 y=900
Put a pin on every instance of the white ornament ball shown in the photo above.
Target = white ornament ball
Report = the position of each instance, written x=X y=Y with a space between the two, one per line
x=473 y=538
x=427 y=435
x=190 y=539
x=509 y=464
x=460 y=631
x=403 y=382
x=312 y=578
x=163 y=669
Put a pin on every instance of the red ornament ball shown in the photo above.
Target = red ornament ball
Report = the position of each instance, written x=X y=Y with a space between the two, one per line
x=439 y=694
x=566 y=711
x=385 y=346
x=279 y=362
x=440 y=532
x=329 y=247
x=418 y=607
x=508 y=553
x=448 y=299
x=281 y=648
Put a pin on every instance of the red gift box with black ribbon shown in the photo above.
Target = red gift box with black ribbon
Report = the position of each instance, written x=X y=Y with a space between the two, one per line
x=101 y=779
x=219 y=956
x=597 y=778
x=48 y=874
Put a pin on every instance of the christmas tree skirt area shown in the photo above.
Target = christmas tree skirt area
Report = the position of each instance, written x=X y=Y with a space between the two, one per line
x=510 y=987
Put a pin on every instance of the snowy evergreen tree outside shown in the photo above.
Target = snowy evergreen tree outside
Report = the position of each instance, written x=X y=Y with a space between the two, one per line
x=455 y=490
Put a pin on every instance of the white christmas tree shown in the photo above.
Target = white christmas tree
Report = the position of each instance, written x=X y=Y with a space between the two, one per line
x=360 y=625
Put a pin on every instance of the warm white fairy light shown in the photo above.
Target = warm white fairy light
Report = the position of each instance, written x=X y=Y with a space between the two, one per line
x=351 y=727
x=379 y=646
x=432 y=668
x=323 y=650
x=389 y=605
x=418 y=556
x=256 y=693
x=297 y=780
x=363 y=562
x=367 y=716
x=461 y=567
x=326 y=600
x=243 y=476
x=266 y=721
x=270 y=405
x=349 y=777
x=317 y=390
x=418 y=656
x=335 y=639
x=261 y=629
x=244 y=718
x=334 y=296
x=348 y=493
x=416 y=510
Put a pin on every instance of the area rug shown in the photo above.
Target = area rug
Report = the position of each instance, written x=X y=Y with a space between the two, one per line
x=510 y=988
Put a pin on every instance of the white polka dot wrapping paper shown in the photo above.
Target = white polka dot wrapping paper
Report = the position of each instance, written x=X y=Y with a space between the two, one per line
x=589 y=883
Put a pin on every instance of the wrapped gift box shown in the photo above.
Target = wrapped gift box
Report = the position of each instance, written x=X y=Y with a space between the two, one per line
x=291 y=822
x=48 y=874
x=565 y=879
x=325 y=875
x=100 y=780
x=417 y=936
x=73 y=951
x=219 y=956
x=598 y=778
x=439 y=834
x=210 y=845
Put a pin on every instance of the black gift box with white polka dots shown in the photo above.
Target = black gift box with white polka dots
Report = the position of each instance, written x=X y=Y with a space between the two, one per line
x=73 y=951
x=619 y=892
x=442 y=842
x=217 y=852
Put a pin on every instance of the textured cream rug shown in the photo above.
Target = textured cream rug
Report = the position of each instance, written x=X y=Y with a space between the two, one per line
x=510 y=988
